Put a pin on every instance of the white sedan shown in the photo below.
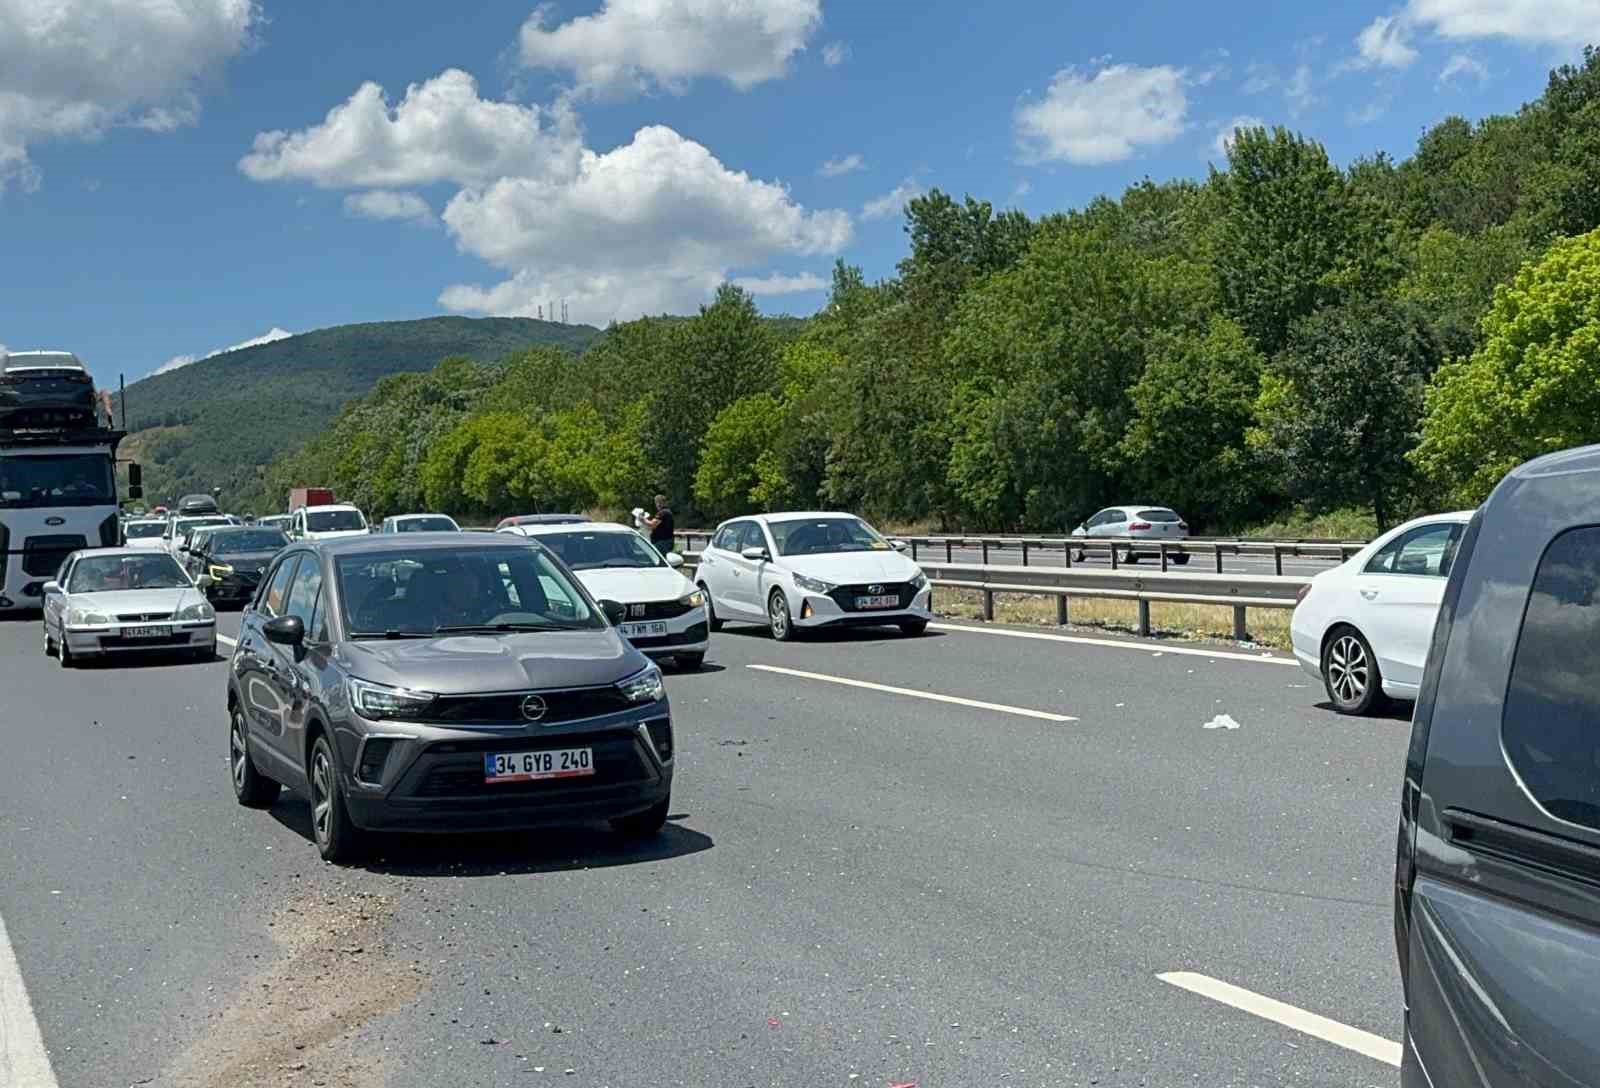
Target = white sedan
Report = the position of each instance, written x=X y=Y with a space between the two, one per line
x=803 y=570
x=125 y=600
x=1363 y=628
x=666 y=613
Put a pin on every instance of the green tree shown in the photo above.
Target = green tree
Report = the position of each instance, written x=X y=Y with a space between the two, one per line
x=1453 y=277
x=737 y=447
x=1534 y=385
x=1341 y=404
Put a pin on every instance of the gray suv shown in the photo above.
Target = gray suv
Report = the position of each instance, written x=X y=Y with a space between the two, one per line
x=441 y=682
x=1497 y=880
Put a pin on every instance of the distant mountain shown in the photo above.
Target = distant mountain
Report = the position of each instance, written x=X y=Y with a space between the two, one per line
x=214 y=423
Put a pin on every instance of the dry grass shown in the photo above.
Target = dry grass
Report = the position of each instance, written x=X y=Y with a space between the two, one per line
x=1268 y=626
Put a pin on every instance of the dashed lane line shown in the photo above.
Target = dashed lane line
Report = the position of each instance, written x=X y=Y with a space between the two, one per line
x=232 y=642
x=1372 y=1046
x=932 y=696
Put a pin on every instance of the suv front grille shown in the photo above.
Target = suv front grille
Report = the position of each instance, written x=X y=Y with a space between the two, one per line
x=142 y=617
x=456 y=769
x=505 y=708
x=657 y=610
x=845 y=596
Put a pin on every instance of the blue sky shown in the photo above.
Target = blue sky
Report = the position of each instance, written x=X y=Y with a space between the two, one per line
x=172 y=181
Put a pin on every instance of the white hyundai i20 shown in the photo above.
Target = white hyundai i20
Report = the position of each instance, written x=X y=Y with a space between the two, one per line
x=1363 y=627
x=804 y=570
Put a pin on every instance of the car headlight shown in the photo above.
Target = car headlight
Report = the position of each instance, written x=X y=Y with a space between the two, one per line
x=920 y=581
x=378 y=701
x=220 y=570
x=82 y=617
x=643 y=687
x=197 y=611
x=813 y=585
x=693 y=600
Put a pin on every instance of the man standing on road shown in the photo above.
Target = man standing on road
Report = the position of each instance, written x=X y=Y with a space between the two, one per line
x=662 y=528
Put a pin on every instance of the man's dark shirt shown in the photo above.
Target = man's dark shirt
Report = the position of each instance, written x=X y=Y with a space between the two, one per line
x=661 y=535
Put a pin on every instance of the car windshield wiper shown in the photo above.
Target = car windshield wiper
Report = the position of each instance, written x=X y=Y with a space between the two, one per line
x=471 y=628
x=392 y=633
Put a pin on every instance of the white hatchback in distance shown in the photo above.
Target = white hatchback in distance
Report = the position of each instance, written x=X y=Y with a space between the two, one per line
x=798 y=571
x=666 y=613
x=1363 y=627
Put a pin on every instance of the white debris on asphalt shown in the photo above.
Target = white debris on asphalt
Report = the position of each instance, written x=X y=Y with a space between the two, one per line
x=1221 y=721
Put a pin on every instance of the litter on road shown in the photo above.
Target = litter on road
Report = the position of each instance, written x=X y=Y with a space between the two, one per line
x=1221 y=721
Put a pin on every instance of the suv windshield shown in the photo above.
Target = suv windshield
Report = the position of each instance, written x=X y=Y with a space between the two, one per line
x=334 y=521
x=428 y=591
x=591 y=551
x=822 y=536
x=252 y=540
x=143 y=530
x=113 y=573
x=425 y=525
x=73 y=479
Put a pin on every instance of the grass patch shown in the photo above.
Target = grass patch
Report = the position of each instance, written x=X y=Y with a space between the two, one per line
x=1268 y=626
x=1347 y=524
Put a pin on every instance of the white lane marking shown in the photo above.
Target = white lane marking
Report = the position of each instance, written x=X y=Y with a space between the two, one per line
x=1372 y=1046
x=224 y=638
x=930 y=695
x=23 y=1060
x=1142 y=647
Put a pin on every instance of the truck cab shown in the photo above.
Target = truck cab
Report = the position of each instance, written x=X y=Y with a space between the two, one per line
x=58 y=493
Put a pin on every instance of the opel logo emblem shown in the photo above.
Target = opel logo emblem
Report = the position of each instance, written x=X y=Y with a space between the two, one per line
x=534 y=707
x=874 y=589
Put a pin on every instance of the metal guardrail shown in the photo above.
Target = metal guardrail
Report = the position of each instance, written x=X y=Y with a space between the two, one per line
x=1240 y=592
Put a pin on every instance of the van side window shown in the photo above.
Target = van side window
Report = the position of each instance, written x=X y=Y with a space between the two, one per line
x=1551 y=728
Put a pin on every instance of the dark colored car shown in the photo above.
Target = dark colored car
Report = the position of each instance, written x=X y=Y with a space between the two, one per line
x=442 y=682
x=40 y=389
x=228 y=563
x=1497 y=880
x=194 y=505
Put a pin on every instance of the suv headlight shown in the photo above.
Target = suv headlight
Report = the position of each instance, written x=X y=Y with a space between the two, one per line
x=197 y=611
x=813 y=585
x=82 y=617
x=378 y=701
x=920 y=582
x=219 y=570
x=644 y=686
x=693 y=600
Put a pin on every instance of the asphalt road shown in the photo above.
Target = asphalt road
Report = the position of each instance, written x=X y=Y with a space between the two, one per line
x=860 y=886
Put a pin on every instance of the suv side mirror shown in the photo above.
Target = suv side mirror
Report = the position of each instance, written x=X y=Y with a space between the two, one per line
x=615 y=611
x=755 y=555
x=285 y=630
x=674 y=560
x=898 y=545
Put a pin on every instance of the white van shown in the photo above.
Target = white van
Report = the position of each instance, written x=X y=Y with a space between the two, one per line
x=327 y=522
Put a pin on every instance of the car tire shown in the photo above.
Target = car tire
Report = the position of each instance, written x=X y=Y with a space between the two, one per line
x=338 y=839
x=1131 y=558
x=49 y=643
x=251 y=788
x=64 y=655
x=711 y=609
x=1350 y=673
x=913 y=628
x=779 y=622
x=206 y=654
x=642 y=825
x=690 y=662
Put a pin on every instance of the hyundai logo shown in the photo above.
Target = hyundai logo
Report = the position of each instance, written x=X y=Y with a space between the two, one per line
x=875 y=589
x=55 y=521
x=534 y=707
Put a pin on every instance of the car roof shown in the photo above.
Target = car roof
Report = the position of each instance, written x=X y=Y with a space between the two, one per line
x=54 y=360
x=543 y=519
x=377 y=543
x=131 y=553
x=790 y=515
x=407 y=517
x=569 y=527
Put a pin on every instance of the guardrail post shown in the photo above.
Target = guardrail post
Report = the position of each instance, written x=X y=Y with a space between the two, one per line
x=1217 y=551
x=1112 y=547
x=913 y=549
x=984 y=544
x=949 y=550
x=1240 y=633
x=1163 y=547
x=1061 y=609
x=1024 y=553
x=1066 y=553
x=1277 y=559
x=988 y=604
x=1144 y=618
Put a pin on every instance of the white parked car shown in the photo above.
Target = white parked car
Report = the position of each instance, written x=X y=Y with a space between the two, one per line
x=326 y=522
x=148 y=533
x=1363 y=627
x=1141 y=524
x=666 y=613
x=125 y=600
x=803 y=570
x=419 y=523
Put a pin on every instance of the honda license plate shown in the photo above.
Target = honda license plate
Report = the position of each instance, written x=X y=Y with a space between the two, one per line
x=534 y=766
x=146 y=632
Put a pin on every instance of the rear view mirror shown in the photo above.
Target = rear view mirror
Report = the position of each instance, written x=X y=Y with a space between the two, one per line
x=135 y=480
x=898 y=545
x=285 y=630
x=615 y=611
x=50 y=587
x=755 y=554
x=674 y=560
x=205 y=581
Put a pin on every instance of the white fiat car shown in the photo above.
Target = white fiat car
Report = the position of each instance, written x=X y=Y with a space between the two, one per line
x=797 y=571
x=1363 y=627
x=109 y=601
x=666 y=613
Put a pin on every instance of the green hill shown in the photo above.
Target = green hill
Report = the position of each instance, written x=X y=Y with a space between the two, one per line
x=217 y=422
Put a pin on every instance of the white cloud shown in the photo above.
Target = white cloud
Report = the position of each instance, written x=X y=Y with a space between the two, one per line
x=1531 y=22
x=1104 y=118
x=1463 y=65
x=74 y=69
x=177 y=362
x=835 y=53
x=441 y=131
x=893 y=202
x=1258 y=78
x=779 y=284
x=1225 y=135
x=1369 y=113
x=387 y=204
x=1299 y=90
x=1022 y=189
x=846 y=164
x=652 y=226
x=1382 y=44
x=635 y=45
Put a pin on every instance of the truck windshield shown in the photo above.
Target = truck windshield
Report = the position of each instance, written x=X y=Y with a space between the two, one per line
x=68 y=479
